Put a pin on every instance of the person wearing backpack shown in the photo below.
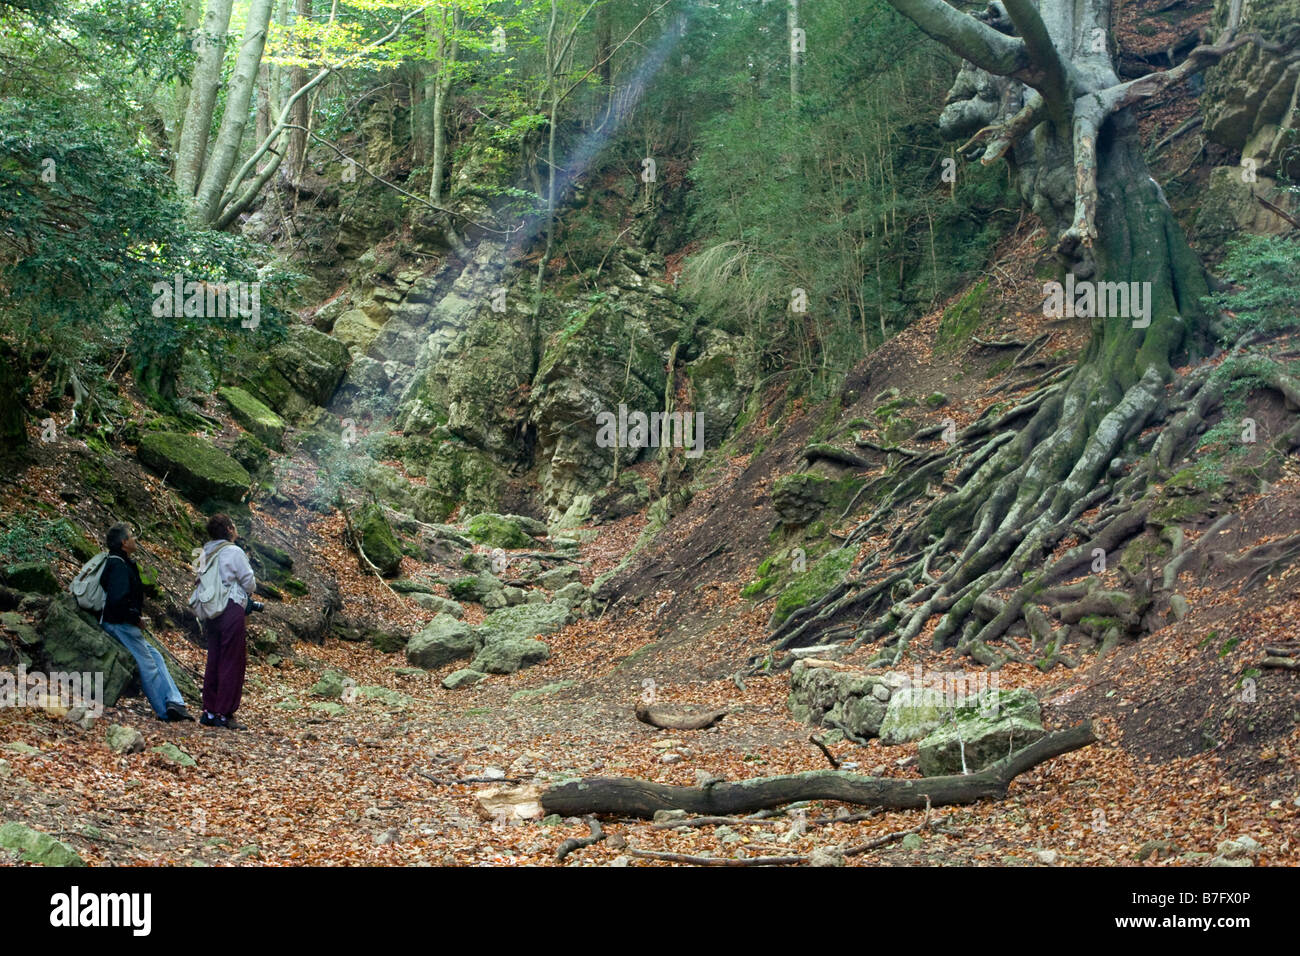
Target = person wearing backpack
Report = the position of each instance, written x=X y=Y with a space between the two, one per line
x=123 y=594
x=224 y=623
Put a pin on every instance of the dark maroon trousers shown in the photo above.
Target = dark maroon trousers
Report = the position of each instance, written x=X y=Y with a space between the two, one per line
x=223 y=678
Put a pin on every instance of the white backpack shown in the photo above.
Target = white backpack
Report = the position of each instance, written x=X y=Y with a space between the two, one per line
x=211 y=593
x=85 y=587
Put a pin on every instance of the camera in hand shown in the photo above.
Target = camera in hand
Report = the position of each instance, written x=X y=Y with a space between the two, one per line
x=255 y=605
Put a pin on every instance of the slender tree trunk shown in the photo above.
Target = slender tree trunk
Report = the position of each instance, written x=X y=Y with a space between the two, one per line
x=324 y=54
x=432 y=58
x=198 y=114
x=796 y=48
x=235 y=118
x=297 y=148
x=190 y=13
x=263 y=124
x=279 y=75
x=553 y=93
x=448 y=54
x=604 y=61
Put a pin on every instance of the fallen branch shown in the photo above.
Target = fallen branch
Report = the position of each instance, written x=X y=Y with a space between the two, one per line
x=453 y=781
x=822 y=747
x=577 y=843
x=641 y=798
x=1277 y=210
x=718 y=860
x=761 y=818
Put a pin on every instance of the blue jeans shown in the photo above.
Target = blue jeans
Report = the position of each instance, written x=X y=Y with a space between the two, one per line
x=154 y=676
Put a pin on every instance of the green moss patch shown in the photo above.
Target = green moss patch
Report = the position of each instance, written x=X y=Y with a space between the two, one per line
x=195 y=466
x=254 y=416
x=963 y=317
x=812 y=584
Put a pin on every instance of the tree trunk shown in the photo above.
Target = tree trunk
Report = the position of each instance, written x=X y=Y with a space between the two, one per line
x=262 y=125
x=190 y=13
x=235 y=118
x=604 y=61
x=13 y=418
x=203 y=98
x=792 y=22
x=448 y=54
x=297 y=148
x=641 y=798
x=1040 y=90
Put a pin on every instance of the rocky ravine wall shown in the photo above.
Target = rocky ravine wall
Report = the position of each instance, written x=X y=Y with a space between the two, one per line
x=1251 y=103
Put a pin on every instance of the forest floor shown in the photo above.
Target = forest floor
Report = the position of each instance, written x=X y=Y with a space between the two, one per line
x=1189 y=753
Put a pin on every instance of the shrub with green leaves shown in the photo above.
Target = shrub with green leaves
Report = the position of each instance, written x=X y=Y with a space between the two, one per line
x=1265 y=294
x=89 y=226
x=25 y=538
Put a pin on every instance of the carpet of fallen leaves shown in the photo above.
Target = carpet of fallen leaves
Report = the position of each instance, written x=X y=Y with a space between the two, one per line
x=376 y=782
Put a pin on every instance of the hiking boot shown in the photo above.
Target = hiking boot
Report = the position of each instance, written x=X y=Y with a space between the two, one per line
x=177 y=712
x=212 y=720
x=232 y=724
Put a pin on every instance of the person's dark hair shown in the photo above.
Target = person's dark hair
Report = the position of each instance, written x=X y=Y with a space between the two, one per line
x=117 y=535
x=220 y=527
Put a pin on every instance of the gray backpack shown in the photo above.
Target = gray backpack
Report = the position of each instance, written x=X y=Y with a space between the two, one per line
x=85 y=587
x=211 y=594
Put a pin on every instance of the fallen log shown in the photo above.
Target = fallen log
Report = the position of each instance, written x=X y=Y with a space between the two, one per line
x=657 y=715
x=627 y=796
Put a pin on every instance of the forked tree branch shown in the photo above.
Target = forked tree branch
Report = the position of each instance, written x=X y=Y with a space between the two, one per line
x=969 y=38
x=1053 y=81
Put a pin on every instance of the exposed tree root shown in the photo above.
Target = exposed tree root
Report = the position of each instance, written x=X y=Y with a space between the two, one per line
x=984 y=558
x=577 y=843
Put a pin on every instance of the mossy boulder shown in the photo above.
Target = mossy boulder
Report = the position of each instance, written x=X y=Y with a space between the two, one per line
x=32 y=576
x=521 y=622
x=357 y=329
x=37 y=847
x=378 y=541
x=559 y=577
x=198 y=468
x=812 y=584
x=475 y=588
x=465 y=677
x=912 y=713
x=265 y=424
x=443 y=640
x=313 y=362
x=849 y=700
x=439 y=604
x=302 y=371
x=508 y=656
x=72 y=642
x=124 y=740
x=173 y=754
x=982 y=731
x=800 y=498
x=963 y=317
x=329 y=685
x=718 y=385
x=499 y=531
x=606 y=355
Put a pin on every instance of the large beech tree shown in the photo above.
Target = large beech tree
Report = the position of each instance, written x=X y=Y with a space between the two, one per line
x=1039 y=89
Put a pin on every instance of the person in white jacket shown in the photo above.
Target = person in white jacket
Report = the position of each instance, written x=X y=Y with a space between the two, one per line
x=223 y=678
